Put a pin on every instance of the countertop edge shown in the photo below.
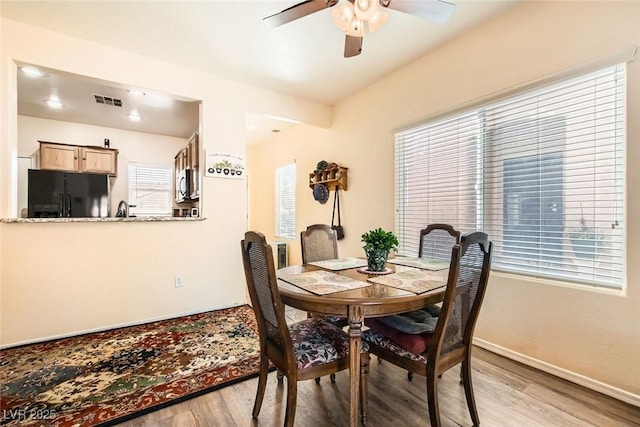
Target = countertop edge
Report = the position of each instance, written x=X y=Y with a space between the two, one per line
x=65 y=220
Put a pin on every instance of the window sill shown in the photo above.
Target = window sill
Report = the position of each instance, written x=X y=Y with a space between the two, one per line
x=620 y=292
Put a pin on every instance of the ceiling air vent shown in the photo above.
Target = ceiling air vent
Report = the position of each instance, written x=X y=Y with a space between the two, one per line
x=107 y=100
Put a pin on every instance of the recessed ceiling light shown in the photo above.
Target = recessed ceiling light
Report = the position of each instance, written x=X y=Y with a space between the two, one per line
x=54 y=101
x=32 y=72
x=134 y=116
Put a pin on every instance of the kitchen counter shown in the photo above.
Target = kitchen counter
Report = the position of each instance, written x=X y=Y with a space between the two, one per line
x=130 y=219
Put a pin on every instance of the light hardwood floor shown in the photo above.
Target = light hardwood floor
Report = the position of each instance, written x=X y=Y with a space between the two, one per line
x=507 y=393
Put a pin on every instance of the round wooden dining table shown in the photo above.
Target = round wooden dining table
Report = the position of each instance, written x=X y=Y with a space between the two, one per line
x=374 y=300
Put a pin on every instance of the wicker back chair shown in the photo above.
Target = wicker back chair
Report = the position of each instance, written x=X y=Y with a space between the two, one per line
x=319 y=242
x=436 y=242
x=303 y=350
x=450 y=344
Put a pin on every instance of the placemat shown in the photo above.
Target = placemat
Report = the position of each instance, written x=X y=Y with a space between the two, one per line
x=416 y=281
x=421 y=263
x=340 y=263
x=323 y=282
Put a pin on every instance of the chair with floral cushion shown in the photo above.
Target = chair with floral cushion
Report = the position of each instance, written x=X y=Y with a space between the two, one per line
x=307 y=349
x=319 y=242
x=413 y=330
x=450 y=343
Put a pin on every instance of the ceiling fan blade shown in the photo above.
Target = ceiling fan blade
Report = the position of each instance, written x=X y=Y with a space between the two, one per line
x=352 y=46
x=437 y=11
x=298 y=11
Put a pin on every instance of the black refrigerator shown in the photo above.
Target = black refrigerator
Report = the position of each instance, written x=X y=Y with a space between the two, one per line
x=54 y=194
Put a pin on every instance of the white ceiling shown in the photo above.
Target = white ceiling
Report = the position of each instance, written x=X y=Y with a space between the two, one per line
x=159 y=113
x=303 y=58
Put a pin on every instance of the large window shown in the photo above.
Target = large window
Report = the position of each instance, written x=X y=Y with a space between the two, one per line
x=286 y=201
x=149 y=189
x=541 y=172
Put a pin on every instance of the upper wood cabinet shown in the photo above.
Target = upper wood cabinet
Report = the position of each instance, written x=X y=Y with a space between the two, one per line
x=58 y=157
x=77 y=158
x=98 y=160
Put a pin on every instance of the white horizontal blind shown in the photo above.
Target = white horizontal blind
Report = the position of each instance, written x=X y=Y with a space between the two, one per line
x=437 y=177
x=150 y=189
x=555 y=187
x=286 y=201
x=547 y=185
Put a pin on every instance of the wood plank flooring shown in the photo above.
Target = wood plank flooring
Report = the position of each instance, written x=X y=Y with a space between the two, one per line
x=508 y=394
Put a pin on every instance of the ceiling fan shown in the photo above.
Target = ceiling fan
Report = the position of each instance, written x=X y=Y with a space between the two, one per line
x=358 y=17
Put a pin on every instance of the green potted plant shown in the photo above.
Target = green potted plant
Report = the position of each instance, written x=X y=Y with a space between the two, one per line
x=377 y=245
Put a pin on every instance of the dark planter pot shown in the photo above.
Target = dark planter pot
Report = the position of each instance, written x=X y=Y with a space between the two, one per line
x=225 y=171
x=376 y=259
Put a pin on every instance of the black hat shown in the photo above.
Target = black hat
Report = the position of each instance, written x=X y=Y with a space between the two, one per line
x=321 y=193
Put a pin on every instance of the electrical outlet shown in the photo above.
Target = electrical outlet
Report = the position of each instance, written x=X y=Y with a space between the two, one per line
x=178 y=281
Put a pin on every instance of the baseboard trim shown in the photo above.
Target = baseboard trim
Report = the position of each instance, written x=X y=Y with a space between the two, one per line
x=590 y=383
x=117 y=326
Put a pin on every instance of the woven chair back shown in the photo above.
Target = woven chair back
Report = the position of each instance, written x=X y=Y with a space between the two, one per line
x=461 y=306
x=263 y=290
x=319 y=242
x=436 y=242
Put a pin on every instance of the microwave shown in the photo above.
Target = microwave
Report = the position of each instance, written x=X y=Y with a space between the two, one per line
x=183 y=185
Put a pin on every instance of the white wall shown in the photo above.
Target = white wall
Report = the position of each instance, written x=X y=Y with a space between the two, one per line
x=132 y=146
x=585 y=335
x=67 y=278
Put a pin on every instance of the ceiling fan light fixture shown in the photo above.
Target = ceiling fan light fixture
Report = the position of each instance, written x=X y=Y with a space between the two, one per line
x=359 y=17
x=343 y=15
x=365 y=9
x=356 y=28
x=377 y=20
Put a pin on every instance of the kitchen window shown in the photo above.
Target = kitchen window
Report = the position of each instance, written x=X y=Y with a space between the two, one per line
x=150 y=189
x=286 y=201
x=542 y=172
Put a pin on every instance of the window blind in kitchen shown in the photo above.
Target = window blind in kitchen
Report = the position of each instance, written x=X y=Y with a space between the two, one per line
x=150 y=189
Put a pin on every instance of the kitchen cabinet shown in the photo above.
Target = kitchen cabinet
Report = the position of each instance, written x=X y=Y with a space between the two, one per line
x=98 y=160
x=187 y=170
x=77 y=158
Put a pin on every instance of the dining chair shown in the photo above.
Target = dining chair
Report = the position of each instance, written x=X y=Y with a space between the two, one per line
x=450 y=343
x=303 y=350
x=436 y=243
x=319 y=242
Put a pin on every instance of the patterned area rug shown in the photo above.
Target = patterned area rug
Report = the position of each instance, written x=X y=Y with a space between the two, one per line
x=107 y=377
